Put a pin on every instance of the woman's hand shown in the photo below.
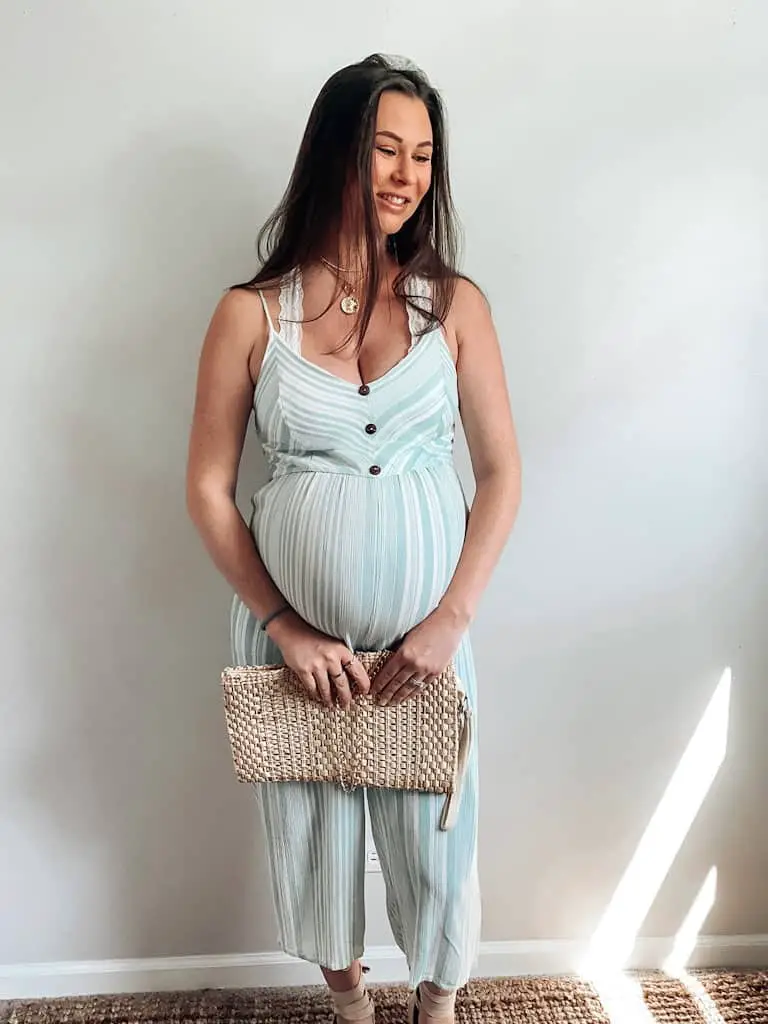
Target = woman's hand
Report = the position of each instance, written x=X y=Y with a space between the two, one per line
x=326 y=668
x=423 y=655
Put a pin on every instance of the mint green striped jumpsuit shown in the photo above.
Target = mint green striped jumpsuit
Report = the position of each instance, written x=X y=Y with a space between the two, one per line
x=360 y=526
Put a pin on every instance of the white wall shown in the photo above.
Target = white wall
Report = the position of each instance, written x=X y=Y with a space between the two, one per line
x=610 y=165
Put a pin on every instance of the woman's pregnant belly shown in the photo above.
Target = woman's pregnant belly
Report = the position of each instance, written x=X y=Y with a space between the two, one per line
x=364 y=559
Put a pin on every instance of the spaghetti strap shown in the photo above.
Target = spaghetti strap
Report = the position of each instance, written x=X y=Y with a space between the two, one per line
x=266 y=311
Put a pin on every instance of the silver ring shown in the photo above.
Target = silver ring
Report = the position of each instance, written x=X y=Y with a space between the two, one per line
x=417 y=684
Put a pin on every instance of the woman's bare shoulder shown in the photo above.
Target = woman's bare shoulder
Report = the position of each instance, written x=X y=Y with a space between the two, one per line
x=468 y=312
x=240 y=325
x=468 y=299
x=241 y=311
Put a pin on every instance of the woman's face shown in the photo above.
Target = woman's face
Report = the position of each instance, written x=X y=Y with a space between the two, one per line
x=402 y=159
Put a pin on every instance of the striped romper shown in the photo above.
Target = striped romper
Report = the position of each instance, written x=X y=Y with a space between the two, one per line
x=360 y=526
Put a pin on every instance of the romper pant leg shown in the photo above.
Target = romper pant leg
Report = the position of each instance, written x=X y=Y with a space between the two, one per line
x=431 y=877
x=315 y=837
x=316 y=850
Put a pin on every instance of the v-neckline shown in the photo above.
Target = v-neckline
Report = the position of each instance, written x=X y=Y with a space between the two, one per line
x=297 y=284
x=416 y=346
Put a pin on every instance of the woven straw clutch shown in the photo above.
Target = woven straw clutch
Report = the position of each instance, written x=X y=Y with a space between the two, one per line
x=277 y=734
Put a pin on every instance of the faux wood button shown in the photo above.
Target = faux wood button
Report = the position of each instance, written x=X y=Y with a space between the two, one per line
x=374 y=470
x=371 y=428
x=364 y=389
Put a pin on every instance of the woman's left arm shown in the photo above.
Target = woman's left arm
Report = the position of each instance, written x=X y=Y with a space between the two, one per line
x=487 y=419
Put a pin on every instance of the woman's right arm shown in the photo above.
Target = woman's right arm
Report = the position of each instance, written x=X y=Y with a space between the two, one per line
x=234 y=344
x=230 y=361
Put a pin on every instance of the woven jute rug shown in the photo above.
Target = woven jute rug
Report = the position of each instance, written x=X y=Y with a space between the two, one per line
x=707 y=997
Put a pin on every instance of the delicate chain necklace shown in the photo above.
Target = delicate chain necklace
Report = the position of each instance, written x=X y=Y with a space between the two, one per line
x=349 y=303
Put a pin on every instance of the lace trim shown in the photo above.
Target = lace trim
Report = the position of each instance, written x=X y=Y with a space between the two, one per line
x=291 y=300
x=420 y=289
x=291 y=310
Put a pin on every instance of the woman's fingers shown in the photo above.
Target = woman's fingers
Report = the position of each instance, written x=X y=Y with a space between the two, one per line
x=393 y=686
x=336 y=682
x=323 y=684
x=350 y=678
x=341 y=686
x=392 y=667
x=406 y=691
x=407 y=683
x=356 y=674
x=339 y=681
x=307 y=680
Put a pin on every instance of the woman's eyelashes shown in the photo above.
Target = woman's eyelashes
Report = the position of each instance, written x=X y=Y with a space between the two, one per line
x=420 y=158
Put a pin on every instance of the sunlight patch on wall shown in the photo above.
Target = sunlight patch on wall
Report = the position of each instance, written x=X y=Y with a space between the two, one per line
x=614 y=939
x=689 y=931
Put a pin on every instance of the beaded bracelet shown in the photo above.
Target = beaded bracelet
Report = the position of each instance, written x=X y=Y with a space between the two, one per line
x=265 y=622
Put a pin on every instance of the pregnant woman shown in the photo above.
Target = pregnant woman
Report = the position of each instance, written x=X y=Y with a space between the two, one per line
x=357 y=346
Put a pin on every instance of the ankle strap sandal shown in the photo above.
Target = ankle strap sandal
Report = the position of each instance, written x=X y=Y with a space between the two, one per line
x=354 y=1006
x=438 y=1007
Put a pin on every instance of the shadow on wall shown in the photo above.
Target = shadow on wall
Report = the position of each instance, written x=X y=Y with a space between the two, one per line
x=131 y=766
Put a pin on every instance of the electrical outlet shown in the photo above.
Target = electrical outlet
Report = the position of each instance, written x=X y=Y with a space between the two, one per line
x=372 y=859
x=371 y=856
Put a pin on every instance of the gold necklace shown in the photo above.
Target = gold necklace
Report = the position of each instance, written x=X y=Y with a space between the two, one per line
x=349 y=303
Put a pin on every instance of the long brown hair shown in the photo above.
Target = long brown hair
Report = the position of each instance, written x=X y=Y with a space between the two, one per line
x=337 y=147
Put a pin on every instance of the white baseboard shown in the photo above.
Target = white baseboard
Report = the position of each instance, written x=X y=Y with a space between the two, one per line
x=497 y=959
